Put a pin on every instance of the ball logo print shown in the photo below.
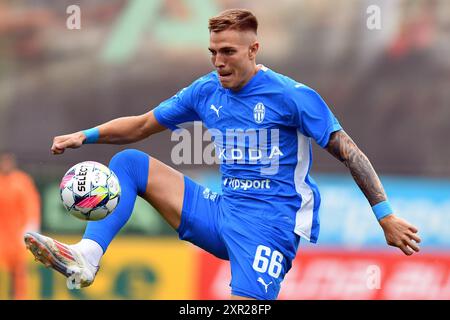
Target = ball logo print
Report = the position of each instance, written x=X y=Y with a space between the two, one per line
x=90 y=191
x=259 y=112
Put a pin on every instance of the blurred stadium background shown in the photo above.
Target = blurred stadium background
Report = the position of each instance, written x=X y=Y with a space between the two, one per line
x=389 y=88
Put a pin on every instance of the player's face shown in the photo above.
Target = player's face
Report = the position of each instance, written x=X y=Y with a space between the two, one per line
x=233 y=55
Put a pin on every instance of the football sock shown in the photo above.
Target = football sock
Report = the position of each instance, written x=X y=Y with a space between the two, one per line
x=131 y=168
x=91 y=251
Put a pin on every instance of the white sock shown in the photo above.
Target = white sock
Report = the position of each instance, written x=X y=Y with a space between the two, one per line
x=91 y=251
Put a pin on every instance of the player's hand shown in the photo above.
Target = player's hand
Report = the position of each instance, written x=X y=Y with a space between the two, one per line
x=74 y=140
x=399 y=233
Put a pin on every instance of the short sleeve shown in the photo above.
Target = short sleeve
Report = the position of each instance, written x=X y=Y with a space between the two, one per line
x=178 y=109
x=312 y=116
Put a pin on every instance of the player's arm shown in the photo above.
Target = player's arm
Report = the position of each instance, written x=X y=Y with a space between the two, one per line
x=118 y=131
x=398 y=232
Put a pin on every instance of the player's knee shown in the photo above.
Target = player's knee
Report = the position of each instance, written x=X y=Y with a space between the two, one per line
x=134 y=164
x=127 y=156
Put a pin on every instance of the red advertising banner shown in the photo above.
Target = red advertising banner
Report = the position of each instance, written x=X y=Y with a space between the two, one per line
x=338 y=274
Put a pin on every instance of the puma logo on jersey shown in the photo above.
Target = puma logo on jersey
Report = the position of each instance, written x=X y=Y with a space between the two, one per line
x=260 y=280
x=216 y=110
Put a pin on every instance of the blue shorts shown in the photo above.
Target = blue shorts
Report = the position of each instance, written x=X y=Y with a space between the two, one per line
x=260 y=255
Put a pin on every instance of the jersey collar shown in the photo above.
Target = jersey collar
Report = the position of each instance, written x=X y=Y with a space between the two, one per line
x=251 y=83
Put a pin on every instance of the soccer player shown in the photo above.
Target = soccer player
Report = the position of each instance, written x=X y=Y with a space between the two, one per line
x=262 y=124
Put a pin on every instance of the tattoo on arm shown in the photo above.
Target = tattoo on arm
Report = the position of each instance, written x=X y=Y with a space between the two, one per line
x=342 y=147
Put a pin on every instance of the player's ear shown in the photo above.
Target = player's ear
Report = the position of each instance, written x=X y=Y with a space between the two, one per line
x=253 y=50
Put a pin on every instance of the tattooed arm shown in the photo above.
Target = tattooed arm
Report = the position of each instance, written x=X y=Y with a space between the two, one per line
x=342 y=147
x=398 y=232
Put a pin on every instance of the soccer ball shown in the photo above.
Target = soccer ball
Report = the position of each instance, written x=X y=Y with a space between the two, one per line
x=90 y=191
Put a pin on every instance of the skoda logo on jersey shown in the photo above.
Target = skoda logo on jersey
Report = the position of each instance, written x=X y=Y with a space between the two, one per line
x=259 y=112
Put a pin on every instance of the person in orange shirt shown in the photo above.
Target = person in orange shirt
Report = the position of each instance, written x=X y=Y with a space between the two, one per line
x=20 y=211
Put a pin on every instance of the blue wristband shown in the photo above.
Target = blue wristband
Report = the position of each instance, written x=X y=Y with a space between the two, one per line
x=382 y=209
x=92 y=135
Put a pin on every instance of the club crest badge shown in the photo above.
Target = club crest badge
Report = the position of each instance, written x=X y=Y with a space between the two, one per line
x=259 y=112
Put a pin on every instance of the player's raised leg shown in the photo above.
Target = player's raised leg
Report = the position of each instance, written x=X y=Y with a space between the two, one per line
x=139 y=174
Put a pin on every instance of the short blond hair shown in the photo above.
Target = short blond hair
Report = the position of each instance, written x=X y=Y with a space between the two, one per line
x=234 y=19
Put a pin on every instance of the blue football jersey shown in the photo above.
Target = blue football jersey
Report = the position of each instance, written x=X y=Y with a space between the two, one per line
x=262 y=134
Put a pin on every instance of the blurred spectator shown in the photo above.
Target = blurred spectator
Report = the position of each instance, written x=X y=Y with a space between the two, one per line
x=19 y=211
x=417 y=30
x=19 y=30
